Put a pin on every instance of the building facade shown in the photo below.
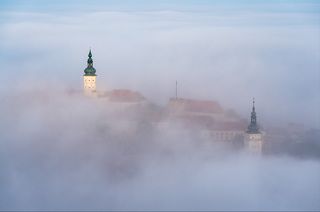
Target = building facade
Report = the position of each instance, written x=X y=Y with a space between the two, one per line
x=209 y=116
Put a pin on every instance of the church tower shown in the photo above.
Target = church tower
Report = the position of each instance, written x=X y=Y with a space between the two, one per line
x=253 y=140
x=89 y=77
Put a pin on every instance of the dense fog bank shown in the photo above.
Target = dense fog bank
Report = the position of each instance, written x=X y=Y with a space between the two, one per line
x=63 y=151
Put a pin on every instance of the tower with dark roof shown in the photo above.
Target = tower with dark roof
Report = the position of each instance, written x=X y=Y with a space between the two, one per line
x=253 y=137
x=89 y=77
x=253 y=126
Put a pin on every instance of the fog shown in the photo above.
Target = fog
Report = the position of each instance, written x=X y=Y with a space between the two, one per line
x=62 y=151
x=68 y=152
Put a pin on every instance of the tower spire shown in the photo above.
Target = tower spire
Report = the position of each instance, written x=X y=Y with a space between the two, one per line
x=253 y=127
x=89 y=77
x=253 y=108
x=253 y=140
x=90 y=70
x=90 y=61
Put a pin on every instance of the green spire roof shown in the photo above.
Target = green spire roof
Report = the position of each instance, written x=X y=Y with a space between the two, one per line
x=90 y=71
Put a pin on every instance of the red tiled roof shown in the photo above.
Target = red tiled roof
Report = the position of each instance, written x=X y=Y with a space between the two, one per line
x=190 y=105
x=199 y=120
x=124 y=95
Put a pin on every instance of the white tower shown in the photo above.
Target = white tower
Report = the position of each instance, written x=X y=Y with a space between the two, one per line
x=89 y=77
x=253 y=140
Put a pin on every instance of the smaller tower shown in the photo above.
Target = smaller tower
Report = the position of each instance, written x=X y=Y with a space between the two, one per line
x=253 y=140
x=89 y=77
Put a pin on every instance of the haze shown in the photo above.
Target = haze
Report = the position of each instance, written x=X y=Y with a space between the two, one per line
x=62 y=152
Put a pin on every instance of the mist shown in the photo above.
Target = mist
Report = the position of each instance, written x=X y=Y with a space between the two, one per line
x=62 y=151
x=56 y=155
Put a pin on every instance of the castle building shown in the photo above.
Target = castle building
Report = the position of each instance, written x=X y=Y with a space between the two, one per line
x=253 y=140
x=213 y=121
x=209 y=116
x=89 y=77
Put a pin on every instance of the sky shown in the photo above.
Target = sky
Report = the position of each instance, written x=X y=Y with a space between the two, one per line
x=289 y=5
x=226 y=51
x=264 y=49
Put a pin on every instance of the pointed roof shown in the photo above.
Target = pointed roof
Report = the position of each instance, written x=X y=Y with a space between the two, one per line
x=253 y=126
x=90 y=70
